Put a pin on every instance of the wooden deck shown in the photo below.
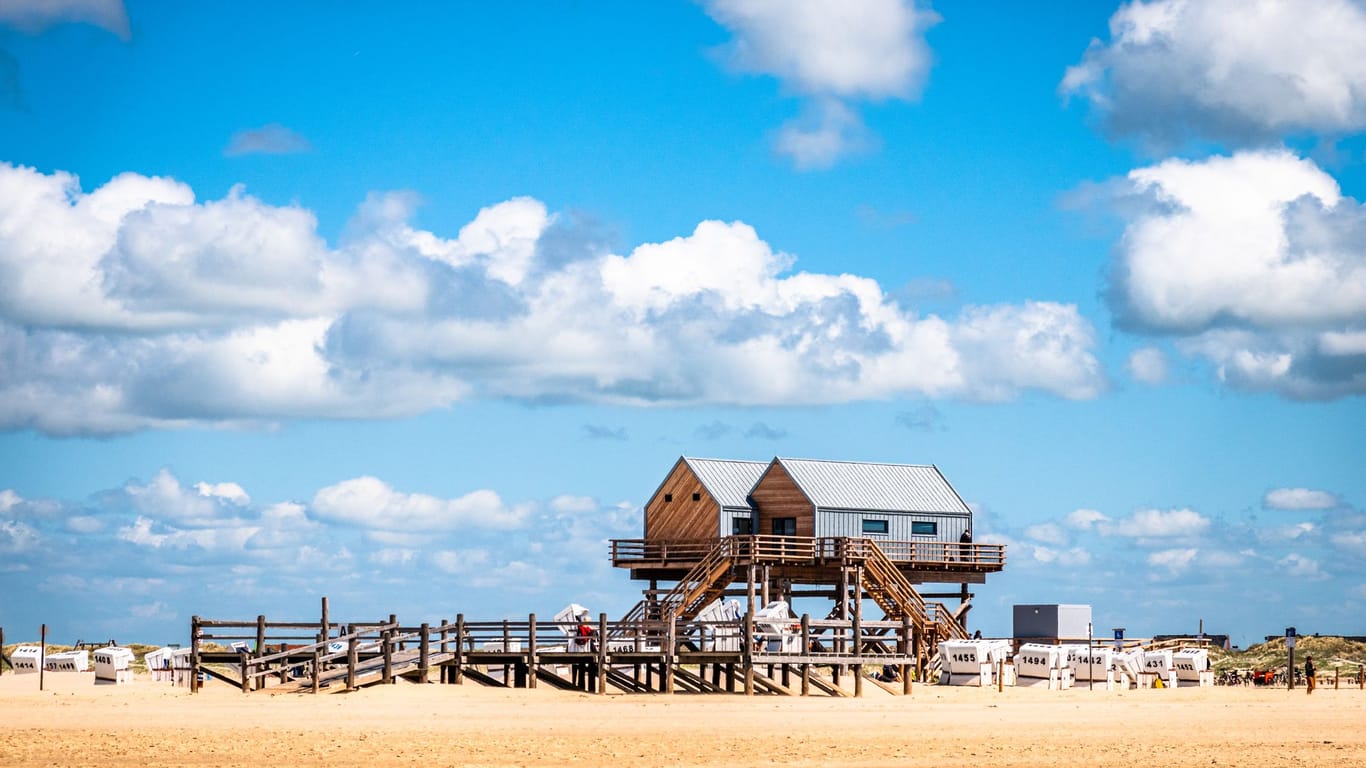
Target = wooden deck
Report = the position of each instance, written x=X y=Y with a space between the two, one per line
x=811 y=560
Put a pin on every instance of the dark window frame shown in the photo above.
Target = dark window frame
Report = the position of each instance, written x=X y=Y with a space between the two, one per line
x=876 y=527
x=784 y=526
x=918 y=528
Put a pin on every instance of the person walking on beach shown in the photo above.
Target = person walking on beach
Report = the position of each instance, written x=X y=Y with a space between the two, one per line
x=1309 y=673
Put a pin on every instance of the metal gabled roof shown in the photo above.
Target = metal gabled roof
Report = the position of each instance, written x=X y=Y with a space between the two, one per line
x=727 y=480
x=874 y=487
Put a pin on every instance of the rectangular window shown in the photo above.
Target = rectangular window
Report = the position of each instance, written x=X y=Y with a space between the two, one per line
x=740 y=526
x=875 y=526
x=784 y=526
x=924 y=528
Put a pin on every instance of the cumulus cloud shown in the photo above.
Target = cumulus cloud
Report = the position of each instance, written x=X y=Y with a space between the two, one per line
x=1299 y=498
x=1254 y=262
x=834 y=54
x=1084 y=519
x=1299 y=566
x=270 y=139
x=372 y=503
x=1226 y=70
x=1048 y=533
x=1148 y=365
x=136 y=305
x=34 y=16
x=1175 y=561
x=1160 y=524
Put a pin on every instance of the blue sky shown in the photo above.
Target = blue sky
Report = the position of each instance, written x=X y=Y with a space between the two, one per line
x=414 y=305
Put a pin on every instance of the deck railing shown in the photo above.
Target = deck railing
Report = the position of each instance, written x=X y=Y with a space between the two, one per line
x=795 y=549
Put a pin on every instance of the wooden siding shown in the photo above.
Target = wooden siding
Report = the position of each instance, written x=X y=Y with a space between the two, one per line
x=776 y=495
x=683 y=518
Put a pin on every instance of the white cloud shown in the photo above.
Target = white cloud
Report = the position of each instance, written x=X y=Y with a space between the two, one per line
x=1227 y=70
x=566 y=504
x=9 y=500
x=1300 y=566
x=371 y=503
x=164 y=498
x=826 y=133
x=1176 y=561
x=1254 y=262
x=1160 y=524
x=271 y=139
x=1287 y=532
x=16 y=537
x=835 y=53
x=34 y=16
x=84 y=524
x=135 y=306
x=1299 y=498
x=1352 y=542
x=1148 y=365
x=1084 y=519
x=1048 y=533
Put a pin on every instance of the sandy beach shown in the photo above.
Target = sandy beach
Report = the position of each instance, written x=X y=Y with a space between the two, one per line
x=74 y=722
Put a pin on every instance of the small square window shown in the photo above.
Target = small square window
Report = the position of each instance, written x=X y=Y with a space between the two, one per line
x=668 y=497
x=924 y=528
x=740 y=526
x=875 y=526
x=697 y=497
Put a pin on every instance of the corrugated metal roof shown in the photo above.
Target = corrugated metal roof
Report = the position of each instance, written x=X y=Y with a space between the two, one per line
x=882 y=487
x=728 y=480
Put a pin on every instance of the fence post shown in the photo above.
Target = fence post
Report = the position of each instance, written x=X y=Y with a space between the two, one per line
x=42 y=656
x=531 y=651
x=351 y=653
x=905 y=649
x=317 y=667
x=671 y=643
x=386 y=639
x=458 y=676
x=602 y=654
x=194 y=656
x=424 y=654
x=747 y=653
x=245 y=659
x=806 y=651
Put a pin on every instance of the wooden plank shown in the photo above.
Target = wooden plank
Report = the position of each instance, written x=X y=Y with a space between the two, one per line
x=682 y=516
x=826 y=686
x=771 y=685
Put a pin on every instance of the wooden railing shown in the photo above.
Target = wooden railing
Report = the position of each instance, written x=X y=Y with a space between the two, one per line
x=793 y=549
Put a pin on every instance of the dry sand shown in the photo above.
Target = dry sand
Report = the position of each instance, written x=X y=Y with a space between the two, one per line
x=148 y=724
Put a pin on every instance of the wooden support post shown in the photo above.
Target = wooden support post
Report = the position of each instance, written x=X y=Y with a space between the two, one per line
x=749 y=589
x=317 y=668
x=670 y=649
x=1337 y=677
x=2 y=650
x=260 y=647
x=765 y=590
x=424 y=655
x=531 y=660
x=747 y=652
x=326 y=627
x=806 y=651
x=352 y=652
x=42 y=656
x=194 y=655
x=602 y=654
x=386 y=644
x=458 y=673
x=858 y=630
x=904 y=648
x=244 y=660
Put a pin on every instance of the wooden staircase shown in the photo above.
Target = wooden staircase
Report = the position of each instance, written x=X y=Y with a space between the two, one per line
x=895 y=595
x=705 y=582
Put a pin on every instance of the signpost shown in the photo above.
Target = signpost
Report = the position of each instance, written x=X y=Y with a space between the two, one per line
x=1119 y=638
x=1290 y=648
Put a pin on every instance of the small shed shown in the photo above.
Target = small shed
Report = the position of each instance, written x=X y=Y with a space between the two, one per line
x=894 y=502
x=1051 y=622
x=703 y=499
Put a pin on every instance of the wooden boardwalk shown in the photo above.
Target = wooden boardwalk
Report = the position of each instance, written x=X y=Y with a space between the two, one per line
x=807 y=657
